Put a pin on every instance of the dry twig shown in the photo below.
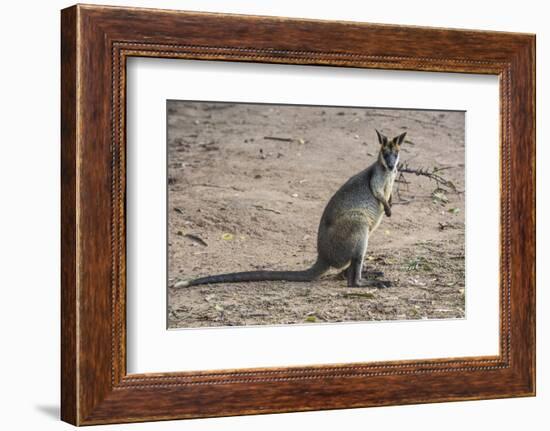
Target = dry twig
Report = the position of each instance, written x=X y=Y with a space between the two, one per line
x=433 y=174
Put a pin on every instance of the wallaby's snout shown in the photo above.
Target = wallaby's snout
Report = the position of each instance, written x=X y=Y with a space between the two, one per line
x=389 y=150
x=391 y=160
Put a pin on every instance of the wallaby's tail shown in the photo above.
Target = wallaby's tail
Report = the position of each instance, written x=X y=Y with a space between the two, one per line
x=318 y=269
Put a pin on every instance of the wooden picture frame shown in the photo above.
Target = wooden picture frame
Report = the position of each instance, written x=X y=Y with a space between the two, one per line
x=96 y=41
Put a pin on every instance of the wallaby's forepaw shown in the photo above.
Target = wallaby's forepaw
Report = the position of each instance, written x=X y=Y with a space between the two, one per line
x=387 y=210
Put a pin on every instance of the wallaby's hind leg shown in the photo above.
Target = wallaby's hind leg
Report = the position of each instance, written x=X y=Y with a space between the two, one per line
x=355 y=280
x=355 y=269
x=354 y=272
x=356 y=266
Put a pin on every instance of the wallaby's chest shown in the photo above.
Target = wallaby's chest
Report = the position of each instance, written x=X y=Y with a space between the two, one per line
x=388 y=185
x=383 y=182
x=359 y=196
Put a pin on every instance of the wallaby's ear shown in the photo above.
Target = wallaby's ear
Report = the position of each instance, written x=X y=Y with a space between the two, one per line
x=400 y=139
x=381 y=138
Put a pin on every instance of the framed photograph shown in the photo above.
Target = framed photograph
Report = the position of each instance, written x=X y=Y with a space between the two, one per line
x=264 y=214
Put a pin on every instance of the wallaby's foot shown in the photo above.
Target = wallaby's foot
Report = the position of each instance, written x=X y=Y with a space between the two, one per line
x=380 y=284
x=355 y=278
x=366 y=274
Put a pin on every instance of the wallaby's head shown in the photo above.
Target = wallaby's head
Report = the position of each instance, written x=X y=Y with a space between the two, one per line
x=389 y=150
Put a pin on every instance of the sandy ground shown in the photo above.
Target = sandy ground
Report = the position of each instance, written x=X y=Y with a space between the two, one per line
x=238 y=202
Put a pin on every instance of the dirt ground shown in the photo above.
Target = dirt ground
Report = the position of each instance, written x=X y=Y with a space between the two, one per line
x=239 y=201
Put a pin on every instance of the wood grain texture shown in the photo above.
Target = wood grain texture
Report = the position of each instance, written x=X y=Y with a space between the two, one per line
x=69 y=331
x=96 y=41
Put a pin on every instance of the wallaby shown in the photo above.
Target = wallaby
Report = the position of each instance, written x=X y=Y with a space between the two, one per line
x=350 y=217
